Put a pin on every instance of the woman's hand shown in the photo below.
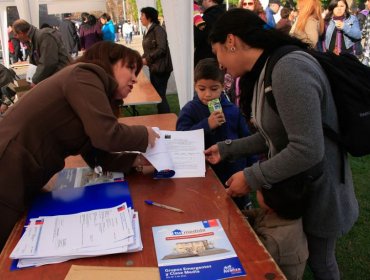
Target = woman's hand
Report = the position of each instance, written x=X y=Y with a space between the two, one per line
x=238 y=186
x=216 y=119
x=152 y=136
x=213 y=154
x=339 y=24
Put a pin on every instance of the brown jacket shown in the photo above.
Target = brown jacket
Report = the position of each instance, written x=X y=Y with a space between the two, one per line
x=68 y=114
x=156 y=50
x=284 y=239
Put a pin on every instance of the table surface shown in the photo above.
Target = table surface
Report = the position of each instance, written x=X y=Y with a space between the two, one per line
x=142 y=93
x=200 y=198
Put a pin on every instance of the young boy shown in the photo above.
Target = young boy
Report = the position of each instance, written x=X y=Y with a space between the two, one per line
x=219 y=125
x=278 y=224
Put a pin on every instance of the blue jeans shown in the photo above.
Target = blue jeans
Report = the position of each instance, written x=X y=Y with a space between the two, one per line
x=321 y=260
x=159 y=82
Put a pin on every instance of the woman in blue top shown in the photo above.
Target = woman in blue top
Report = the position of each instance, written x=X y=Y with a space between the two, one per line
x=342 y=30
x=107 y=28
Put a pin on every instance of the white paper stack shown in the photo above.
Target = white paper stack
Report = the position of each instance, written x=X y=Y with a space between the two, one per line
x=55 y=239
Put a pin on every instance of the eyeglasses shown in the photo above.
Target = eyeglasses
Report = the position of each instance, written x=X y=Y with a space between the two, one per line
x=245 y=4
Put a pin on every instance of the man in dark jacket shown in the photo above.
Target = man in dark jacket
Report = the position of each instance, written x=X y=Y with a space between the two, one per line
x=47 y=50
x=212 y=10
x=69 y=35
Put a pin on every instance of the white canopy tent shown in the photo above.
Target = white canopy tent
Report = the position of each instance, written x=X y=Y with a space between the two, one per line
x=179 y=25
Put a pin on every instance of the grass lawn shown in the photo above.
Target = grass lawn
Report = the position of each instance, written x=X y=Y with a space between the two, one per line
x=353 y=249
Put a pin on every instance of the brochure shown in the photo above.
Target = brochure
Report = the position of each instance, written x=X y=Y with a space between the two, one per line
x=84 y=176
x=199 y=250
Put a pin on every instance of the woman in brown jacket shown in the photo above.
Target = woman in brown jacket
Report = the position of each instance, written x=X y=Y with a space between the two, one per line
x=69 y=113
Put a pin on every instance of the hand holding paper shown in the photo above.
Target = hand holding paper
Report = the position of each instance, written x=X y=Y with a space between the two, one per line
x=178 y=151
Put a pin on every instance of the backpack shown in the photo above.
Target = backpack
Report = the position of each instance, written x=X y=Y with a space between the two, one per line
x=350 y=85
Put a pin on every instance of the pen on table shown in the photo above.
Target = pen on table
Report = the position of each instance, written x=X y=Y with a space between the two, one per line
x=149 y=202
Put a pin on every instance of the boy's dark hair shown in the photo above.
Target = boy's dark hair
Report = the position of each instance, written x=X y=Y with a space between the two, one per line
x=151 y=14
x=285 y=12
x=288 y=201
x=208 y=69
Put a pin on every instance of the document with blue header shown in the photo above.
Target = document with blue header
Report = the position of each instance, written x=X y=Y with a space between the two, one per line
x=195 y=251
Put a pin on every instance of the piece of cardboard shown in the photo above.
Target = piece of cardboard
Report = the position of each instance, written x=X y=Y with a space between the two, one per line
x=79 y=272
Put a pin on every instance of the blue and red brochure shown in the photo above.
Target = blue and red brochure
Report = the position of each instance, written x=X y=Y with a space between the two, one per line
x=199 y=250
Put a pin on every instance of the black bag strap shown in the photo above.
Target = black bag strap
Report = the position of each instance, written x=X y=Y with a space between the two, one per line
x=328 y=131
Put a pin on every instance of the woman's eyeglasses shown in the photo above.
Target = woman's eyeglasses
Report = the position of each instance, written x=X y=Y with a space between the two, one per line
x=245 y=4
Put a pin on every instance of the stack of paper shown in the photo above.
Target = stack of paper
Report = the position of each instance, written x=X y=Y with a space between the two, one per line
x=195 y=251
x=54 y=239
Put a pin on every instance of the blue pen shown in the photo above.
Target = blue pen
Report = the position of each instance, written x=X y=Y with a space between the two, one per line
x=149 y=202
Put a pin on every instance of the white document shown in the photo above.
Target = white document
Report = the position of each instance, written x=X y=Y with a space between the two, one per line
x=30 y=72
x=181 y=151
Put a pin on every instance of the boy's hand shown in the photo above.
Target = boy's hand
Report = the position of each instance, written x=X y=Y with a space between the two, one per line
x=216 y=119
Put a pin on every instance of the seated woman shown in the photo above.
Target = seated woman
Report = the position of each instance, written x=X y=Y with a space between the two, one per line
x=70 y=113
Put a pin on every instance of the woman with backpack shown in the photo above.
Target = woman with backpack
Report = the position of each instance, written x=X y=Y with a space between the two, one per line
x=292 y=135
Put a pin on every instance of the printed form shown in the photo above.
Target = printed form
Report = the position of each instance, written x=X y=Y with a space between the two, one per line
x=181 y=151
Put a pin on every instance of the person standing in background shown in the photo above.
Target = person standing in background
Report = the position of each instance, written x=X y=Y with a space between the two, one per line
x=69 y=35
x=254 y=6
x=272 y=8
x=213 y=9
x=90 y=32
x=342 y=29
x=47 y=50
x=156 y=55
x=365 y=58
x=309 y=25
x=284 y=24
x=107 y=28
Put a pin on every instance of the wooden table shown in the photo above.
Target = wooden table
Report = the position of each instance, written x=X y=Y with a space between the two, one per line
x=200 y=198
x=143 y=93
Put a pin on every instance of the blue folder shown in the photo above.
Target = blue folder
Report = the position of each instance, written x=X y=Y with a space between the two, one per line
x=74 y=200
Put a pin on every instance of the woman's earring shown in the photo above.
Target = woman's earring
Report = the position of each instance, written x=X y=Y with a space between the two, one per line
x=232 y=49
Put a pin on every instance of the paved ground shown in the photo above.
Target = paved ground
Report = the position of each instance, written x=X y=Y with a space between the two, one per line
x=136 y=45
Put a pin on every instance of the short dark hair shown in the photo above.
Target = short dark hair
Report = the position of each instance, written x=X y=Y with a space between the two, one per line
x=84 y=16
x=287 y=201
x=20 y=25
x=106 y=53
x=105 y=16
x=151 y=14
x=285 y=12
x=208 y=69
x=91 y=20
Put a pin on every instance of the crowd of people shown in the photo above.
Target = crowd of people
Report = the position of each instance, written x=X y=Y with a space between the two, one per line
x=251 y=147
